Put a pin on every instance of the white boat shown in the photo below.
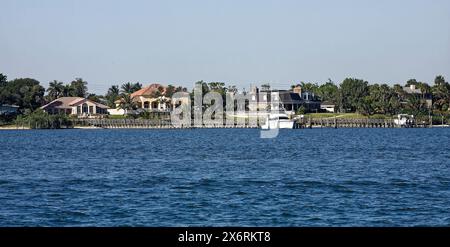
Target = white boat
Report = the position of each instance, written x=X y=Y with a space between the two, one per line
x=403 y=120
x=278 y=121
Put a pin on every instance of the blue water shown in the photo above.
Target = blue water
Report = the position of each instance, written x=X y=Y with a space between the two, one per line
x=225 y=177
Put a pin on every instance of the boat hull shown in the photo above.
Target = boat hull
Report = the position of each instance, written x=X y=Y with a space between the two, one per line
x=278 y=124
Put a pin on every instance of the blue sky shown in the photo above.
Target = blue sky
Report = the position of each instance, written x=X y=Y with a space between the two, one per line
x=238 y=42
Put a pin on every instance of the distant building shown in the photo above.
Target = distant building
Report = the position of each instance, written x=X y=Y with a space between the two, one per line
x=8 y=109
x=81 y=107
x=413 y=90
x=328 y=106
x=288 y=100
x=150 y=98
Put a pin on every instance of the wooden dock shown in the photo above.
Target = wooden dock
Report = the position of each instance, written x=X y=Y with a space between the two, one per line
x=354 y=123
x=149 y=124
x=299 y=124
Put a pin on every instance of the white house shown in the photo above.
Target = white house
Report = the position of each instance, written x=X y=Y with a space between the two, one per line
x=81 y=107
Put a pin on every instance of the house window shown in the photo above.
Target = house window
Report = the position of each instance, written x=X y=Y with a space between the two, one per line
x=91 y=109
x=253 y=97
x=146 y=104
x=85 y=108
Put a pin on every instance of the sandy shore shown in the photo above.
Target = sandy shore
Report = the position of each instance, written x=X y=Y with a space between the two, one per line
x=12 y=127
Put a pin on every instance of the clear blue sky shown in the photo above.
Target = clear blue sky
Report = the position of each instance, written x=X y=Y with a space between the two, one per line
x=238 y=42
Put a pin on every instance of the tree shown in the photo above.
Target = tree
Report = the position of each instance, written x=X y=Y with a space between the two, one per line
x=328 y=91
x=416 y=106
x=232 y=89
x=265 y=87
x=424 y=88
x=78 y=88
x=441 y=94
x=310 y=87
x=204 y=86
x=3 y=80
x=411 y=82
x=127 y=103
x=26 y=93
x=112 y=95
x=219 y=87
x=55 y=90
x=129 y=88
x=181 y=89
x=382 y=99
x=170 y=90
x=68 y=91
x=351 y=94
x=95 y=97
x=3 y=83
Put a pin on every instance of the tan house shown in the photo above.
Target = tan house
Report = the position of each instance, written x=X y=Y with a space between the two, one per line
x=81 y=107
x=151 y=98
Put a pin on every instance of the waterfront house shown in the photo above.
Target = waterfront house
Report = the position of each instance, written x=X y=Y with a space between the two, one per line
x=427 y=97
x=150 y=98
x=288 y=100
x=78 y=106
x=328 y=106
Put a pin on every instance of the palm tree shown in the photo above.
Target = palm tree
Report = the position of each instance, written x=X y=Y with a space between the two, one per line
x=441 y=93
x=67 y=91
x=425 y=88
x=129 y=88
x=112 y=95
x=79 y=88
x=55 y=90
x=163 y=100
x=127 y=103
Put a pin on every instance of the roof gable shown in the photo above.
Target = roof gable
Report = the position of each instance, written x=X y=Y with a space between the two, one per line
x=149 y=90
x=68 y=102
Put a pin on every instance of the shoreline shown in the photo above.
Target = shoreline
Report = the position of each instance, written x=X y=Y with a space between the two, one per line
x=164 y=128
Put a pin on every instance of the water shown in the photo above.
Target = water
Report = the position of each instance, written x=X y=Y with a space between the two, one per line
x=225 y=177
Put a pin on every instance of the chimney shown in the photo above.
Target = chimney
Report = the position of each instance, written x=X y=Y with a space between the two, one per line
x=254 y=89
x=297 y=90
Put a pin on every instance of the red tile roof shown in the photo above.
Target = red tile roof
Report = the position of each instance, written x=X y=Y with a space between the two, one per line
x=68 y=102
x=149 y=90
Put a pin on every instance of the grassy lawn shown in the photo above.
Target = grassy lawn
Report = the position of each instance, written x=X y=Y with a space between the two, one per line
x=117 y=117
x=344 y=115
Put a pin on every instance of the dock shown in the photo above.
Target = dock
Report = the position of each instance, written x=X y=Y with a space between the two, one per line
x=299 y=124
x=355 y=123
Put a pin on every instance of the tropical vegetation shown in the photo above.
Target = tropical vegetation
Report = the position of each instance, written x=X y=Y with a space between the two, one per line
x=350 y=96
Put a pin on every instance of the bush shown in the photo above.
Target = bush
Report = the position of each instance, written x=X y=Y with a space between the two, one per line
x=6 y=119
x=301 y=110
x=42 y=120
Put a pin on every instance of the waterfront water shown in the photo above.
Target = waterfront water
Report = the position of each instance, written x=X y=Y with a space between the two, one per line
x=225 y=177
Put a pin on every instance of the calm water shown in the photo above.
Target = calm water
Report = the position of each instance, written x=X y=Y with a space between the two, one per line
x=225 y=177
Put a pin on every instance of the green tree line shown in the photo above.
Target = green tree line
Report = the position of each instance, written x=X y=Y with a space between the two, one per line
x=351 y=95
x=357 y=95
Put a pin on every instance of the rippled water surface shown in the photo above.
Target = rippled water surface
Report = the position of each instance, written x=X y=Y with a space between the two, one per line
x=225 y=177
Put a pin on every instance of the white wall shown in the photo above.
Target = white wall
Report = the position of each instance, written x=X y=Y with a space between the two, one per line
x=116 y=112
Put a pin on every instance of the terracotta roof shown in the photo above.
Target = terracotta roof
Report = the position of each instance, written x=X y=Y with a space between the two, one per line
x=148 y=91
x=68 y=102
x=61 y=103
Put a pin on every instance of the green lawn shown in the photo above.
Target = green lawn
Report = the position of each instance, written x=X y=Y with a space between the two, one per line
x=344 y=115
x=117 y=117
